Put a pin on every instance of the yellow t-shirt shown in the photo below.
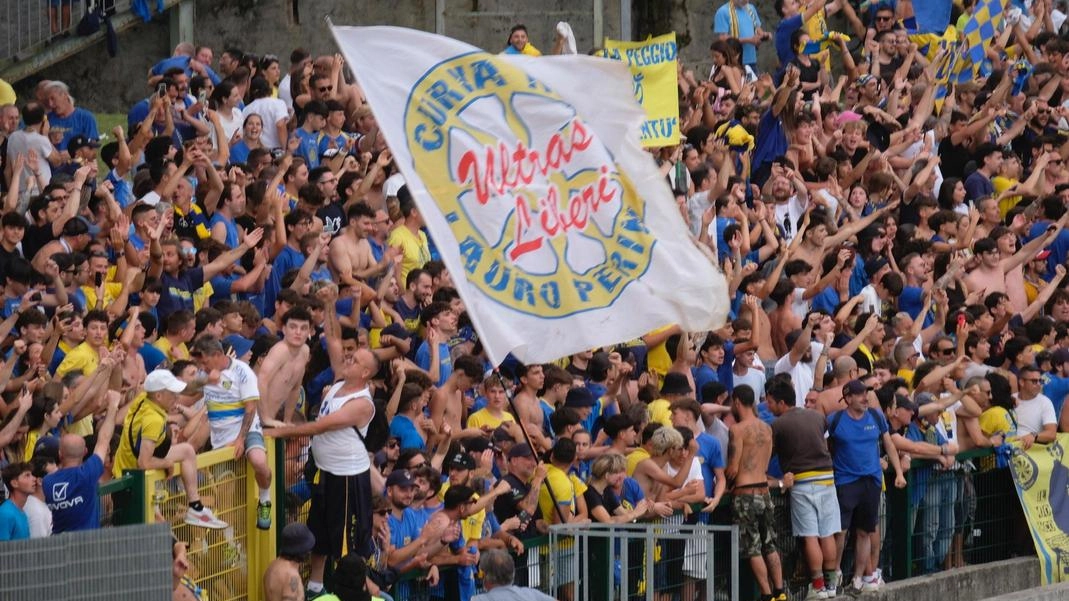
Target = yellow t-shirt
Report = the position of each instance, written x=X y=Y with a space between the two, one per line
x=1001 y=185
x=634 y=458
x=145 y=421
x=86 y=359
x=112 y=290
x=657 y=358
x=172 y=353
x=415 y=250
x=7 y=93
x=660 y=412
x=82 y=358
x=471 y=526
x=997 y=420
x=566 y=488
x=483 y=417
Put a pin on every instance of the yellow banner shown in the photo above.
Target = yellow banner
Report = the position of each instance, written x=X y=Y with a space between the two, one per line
x=653 y=71
x=1042 y=478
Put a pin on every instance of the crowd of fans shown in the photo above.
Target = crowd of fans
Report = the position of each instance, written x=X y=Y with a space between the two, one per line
x=249 y=263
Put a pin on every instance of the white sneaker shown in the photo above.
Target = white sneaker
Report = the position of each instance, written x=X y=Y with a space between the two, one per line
x=815 y=594
x=830 y=591
x=870 y=586
x=204 y=519
x=857 y=586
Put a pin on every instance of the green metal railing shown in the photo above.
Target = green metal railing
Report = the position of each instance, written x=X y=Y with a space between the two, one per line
x=122 y=500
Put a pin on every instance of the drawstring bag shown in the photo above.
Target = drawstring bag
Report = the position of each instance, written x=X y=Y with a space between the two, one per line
x=90 y=23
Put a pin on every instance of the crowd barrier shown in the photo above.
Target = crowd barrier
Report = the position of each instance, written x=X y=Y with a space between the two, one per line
x=110 y=563
x=976 y=501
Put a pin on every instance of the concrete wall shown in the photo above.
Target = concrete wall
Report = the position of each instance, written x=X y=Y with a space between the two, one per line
x=971 y=583
x=1056 y=592
x=269 y=27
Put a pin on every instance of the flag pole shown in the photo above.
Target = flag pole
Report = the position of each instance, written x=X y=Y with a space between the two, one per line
x=527 y=438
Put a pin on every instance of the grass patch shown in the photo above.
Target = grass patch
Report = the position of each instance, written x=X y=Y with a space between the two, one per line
x=105 y=123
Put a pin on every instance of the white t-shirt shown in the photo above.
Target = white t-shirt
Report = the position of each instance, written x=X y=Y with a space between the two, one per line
x=755 y=379
x=22 y=142
x=39 y=516
x=271 y=110
x=341 y=452
x=1033 y=414
x=695 y=473
x=226 y=401
x=231 y=123
x=870 y=301
x=801 y=373
x=787 y=216
x=284 y=91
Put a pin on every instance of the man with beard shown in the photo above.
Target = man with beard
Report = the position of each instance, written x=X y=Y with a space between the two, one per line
x=419 y=287
x=411 y=541
x=749 y=450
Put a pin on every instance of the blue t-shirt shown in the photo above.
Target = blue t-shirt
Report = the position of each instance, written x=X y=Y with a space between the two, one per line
x=178 y=290
x=79 y=123
x=1059 y=249
x=182 y=62
x=782 y=39
x=711 y=457
x=747 y=21
x=856 y=443
x=631 y=491
x=309 y=146
x=289 y=258
x=703 y=374
x=231 y=229
x=152 y=356
x=827 y=300
x=123 y=192
x=13 y=522
x=1055 y=388
x=920 y=469
x=405 y=431
x=445 y=361
x=239 y=153
x=911 y=301
x=771 y=142
x=71 y=494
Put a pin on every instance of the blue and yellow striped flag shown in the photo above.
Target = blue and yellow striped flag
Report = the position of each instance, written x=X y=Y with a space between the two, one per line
x=929 y=44
x=944 y=72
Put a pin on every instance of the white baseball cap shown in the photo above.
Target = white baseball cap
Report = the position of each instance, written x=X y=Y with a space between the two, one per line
x=162 y=379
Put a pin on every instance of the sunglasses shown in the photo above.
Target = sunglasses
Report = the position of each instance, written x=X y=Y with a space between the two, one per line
x=326 y=88
x=883 y=18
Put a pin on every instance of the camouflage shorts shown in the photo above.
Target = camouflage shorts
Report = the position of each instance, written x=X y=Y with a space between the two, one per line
x=755 y=516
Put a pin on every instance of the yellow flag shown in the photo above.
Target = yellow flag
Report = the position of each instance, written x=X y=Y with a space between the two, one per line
x=653 y=66
x=1042 y=477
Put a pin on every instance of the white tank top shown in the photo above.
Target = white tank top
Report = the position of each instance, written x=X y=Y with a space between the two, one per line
x=341 y=452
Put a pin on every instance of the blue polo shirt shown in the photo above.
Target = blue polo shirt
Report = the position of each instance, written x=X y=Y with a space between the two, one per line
x=405 y=431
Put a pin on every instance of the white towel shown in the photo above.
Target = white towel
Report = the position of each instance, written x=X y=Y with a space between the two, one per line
x=565 y=30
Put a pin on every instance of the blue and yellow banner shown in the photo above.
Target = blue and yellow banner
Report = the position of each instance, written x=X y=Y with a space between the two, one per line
x=653 y=66
x=1042 y=478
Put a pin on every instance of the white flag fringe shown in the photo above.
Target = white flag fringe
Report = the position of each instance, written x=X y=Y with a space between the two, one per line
x=559 y=231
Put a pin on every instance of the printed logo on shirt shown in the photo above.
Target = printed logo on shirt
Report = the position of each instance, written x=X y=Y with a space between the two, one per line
x=59 y=491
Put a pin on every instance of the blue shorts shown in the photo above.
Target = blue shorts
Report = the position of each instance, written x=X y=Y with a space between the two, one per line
x=254 y=440
x=859 y=504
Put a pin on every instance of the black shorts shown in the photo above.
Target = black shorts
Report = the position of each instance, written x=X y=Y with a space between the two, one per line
x=859 y=504
x=340 y=516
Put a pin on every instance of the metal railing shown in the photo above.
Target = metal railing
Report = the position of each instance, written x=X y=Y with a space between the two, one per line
x=603 y=562
x=26 y=24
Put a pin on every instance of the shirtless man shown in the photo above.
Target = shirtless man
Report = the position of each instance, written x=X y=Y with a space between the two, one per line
x=531 y=408
x=998 y=261
x=449 y=405
x=351 y=260
x=650 y=473
x=282 y=578
x=816 y=241
x=749 y=449
x=282 y=371
x=830 y=400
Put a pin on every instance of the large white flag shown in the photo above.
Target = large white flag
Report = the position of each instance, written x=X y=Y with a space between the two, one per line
x=559 y=230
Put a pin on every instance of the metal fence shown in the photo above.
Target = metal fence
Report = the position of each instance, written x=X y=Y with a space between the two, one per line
x=110 y=563
x=603 y=562
x=26 y=24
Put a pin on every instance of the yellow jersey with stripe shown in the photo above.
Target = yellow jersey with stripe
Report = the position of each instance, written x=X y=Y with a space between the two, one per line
x=226 y=400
